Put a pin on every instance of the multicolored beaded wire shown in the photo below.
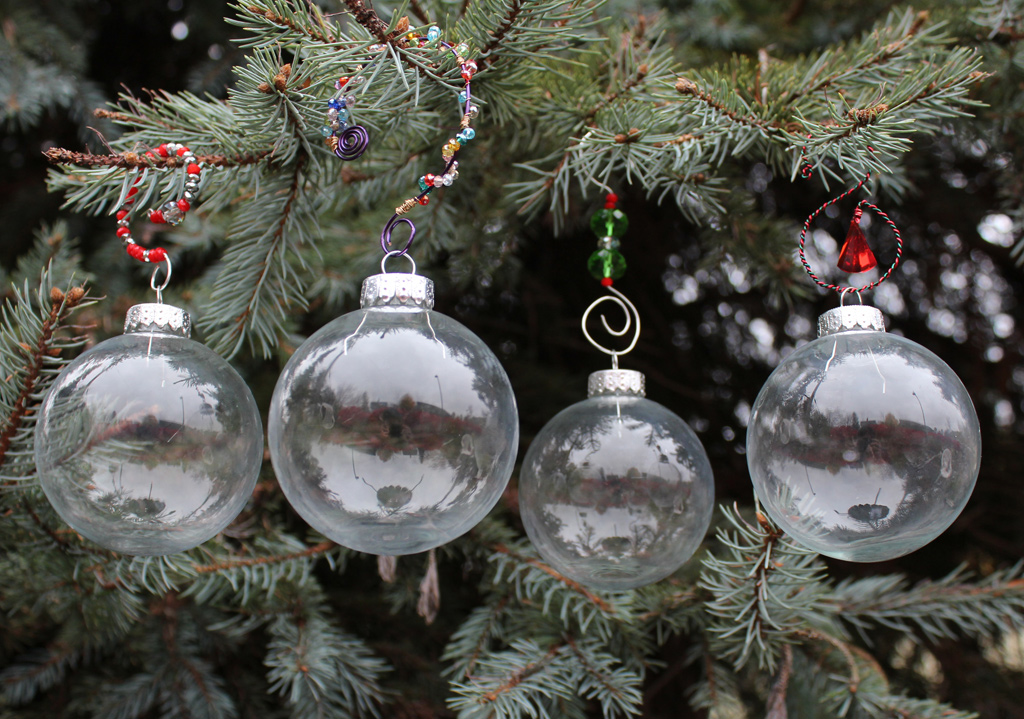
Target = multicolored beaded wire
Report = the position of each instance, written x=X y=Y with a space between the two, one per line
x=449 y=150
x=607 y=263
x=171 y=212
x=346 y=141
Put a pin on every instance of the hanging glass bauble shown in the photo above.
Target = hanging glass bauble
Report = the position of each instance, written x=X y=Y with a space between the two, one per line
x=863 y=445
x=616 y=491
x=393 y=429
x=149 y=443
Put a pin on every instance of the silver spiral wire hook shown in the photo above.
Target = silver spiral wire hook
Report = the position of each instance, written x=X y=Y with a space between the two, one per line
x=159 y=289
x=630 y=312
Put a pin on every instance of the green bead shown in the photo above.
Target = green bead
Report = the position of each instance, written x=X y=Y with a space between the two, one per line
x=423 y=184
x=607 y=263
x=609 y=223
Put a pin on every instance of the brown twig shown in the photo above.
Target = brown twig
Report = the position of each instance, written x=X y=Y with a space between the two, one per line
x=776 y=706
x=499 y=33
x=854 y=682
x=518 y=677
x=259 y=561
x=285 y=22
x=60 y=305
x=369 y=19
x=496 y=611
x=60 y=156
x=572 y=584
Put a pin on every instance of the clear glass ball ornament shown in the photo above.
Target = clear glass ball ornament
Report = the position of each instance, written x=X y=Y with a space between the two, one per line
x=616 y=491
x=393 y=429
x=149 y=443
x=863 y=445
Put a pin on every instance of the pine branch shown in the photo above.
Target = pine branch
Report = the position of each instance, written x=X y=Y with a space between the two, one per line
x=368 y=19
x=571 y=584
x=258 y=561
x=134 y=160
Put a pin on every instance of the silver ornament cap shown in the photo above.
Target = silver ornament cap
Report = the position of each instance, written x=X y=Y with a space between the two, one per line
x=851 y=318
x=621 y=382
x=158 y=317
x=398 y=290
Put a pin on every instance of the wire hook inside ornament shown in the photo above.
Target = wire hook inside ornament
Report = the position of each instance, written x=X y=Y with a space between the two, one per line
x=163 y=285
x=628 y=310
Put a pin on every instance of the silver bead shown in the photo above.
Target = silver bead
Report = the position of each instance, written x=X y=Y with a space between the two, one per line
x=447 y=180
x=474 y=111
x=189 y=195
x=123 y=223
x=360 y=79
x=350 y=101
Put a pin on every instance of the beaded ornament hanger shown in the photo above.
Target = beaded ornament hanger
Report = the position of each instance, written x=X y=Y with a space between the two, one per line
x=855 y=255
x=607 y=265
x=349 y=141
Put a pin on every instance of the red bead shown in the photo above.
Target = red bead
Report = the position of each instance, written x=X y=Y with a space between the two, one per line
x=133 y=191
x=183 y=205
x=150 y=154
x=429 y=179
x=157 y=254
x=157 y=216
x=182 y=151
x=611 y=197
x=163 y=151
x=135 y=252
x=606 y=282
x=856 y=255
x=423 y=200
x=121 y=214
x=193 y=169
x=609 y=205
x=467 y=75
x=122 y=231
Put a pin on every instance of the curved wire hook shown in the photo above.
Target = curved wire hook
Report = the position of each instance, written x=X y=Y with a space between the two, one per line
x=152 y=281
x=385 y=235
x=628 y=309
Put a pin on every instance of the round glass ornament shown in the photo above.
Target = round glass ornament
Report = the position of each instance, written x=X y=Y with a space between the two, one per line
x=149 y=443
x=393 y=429
x=863 y=445
x=616 y=491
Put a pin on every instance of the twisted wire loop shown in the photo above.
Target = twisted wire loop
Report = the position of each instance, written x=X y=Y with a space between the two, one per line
x=159 y=289
x=628 y=310
x=352 y=143
x=843 y=289
x=395 y=253
x=385 y=235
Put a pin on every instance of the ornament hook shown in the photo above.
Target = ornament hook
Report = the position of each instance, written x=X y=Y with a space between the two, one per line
x=630 y=312
x=847 y=290
x=159 y=289
x=396 y=253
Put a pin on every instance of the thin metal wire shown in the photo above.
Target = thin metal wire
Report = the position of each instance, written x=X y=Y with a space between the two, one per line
x=396 y=253
x=628 y=309
x=152 y=281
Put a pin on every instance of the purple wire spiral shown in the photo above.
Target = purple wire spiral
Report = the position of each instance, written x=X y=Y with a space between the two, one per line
x=352 y=142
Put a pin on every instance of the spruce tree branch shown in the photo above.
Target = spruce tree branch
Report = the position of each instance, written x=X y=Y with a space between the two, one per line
x=572 y=584
x=499 y=33
x=61 y=305
x=521 y=675
x=609 y=686
x=124 y=118
x=238 y=324
x=60 y=156
x=369 y=19
x=259 y=561
x=478 y=649
x=273 y=17
x=419 y=12
x=50 y=531
x=689 y=87
x=851 y=663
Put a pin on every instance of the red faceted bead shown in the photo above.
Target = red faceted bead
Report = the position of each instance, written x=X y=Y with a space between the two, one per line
x=135 y=252
x=423 y=200
x=193 y=169
x=150 y=154
x=157 y=254
x=157 y=216
x=121 y=214
x=132 y=192
x=606 y=281
x=856 y=255
x=183 y=205
x=612 y=197
x=182 y=151
x=609 y=205
x=122 y=231
x=163 y=151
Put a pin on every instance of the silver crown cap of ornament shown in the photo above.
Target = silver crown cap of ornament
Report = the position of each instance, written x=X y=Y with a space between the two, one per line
x=398 y=290
x=851 y=318
x=621 y=382
x=158 y=317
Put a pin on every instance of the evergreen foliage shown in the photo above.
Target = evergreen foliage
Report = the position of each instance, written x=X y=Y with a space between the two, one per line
x=686 y=108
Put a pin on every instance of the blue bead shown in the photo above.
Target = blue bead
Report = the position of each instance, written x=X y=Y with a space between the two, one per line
x=469 y=133
x=463 y=97
x=325 y=131
x=434 y=33
x=342 y=114
x=335 y=104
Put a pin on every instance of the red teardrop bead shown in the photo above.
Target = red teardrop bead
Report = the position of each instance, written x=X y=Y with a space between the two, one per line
x=856 y=256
